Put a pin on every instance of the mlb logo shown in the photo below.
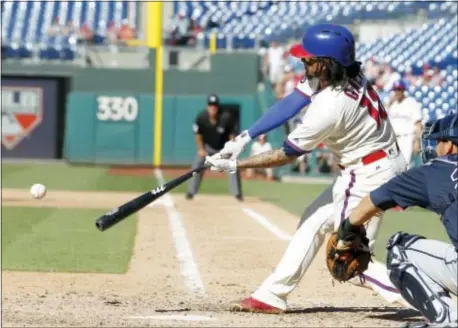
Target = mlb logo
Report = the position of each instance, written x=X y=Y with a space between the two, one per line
x=22 y=112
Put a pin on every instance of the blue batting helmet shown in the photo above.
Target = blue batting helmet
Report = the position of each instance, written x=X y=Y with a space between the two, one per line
x=445 y=129
x=327 y=40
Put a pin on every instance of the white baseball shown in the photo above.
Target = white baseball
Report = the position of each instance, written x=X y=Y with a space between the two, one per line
x=38 y=191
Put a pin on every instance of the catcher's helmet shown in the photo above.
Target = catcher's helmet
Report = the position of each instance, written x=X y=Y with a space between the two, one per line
x=327 y=40
x=445 y=129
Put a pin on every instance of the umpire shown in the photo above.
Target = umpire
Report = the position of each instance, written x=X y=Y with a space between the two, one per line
x=213 y=129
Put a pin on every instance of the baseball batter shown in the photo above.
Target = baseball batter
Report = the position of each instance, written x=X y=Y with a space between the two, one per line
x=424 y=270
x=405 y=117
x=345 y=112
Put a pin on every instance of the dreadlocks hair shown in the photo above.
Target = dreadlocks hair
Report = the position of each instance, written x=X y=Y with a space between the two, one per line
x=336 y=75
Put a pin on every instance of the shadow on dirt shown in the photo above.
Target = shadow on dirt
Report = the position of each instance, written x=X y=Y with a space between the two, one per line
x=388 y=313
x=406 y=315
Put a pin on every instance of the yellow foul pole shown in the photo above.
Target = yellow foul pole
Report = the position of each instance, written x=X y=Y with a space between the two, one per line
x=212 y=43
x=154 y=41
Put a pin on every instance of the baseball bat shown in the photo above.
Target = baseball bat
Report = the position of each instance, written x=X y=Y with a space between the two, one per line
x=118 y=214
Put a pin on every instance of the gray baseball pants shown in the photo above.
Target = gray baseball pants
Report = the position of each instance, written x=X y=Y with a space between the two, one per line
x=235 y=184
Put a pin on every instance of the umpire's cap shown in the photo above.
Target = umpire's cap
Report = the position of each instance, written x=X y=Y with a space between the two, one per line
x=327 y=40
x=445 y=129
x=213 y=100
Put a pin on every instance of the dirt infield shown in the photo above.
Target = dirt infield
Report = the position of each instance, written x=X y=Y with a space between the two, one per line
x=230 y=255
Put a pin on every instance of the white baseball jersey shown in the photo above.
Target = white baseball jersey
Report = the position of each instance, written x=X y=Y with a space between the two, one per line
x=352 y=122
x=403 y=115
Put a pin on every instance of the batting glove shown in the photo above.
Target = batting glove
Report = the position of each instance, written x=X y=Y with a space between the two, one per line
x=222 y=165
x=233 y=148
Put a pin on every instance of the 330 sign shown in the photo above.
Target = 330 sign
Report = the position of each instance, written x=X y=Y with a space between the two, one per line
x=117 y=108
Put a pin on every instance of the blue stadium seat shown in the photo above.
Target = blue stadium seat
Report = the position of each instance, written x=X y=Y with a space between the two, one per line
x=26 y=23
x=257 y=17
x=243 y=25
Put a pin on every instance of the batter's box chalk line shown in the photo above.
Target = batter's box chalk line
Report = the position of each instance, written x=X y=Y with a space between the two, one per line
x=162 y=202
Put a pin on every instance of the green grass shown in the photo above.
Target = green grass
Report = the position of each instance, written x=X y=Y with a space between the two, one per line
x=63 y=240
x=290 y=196
x=68 y=177
x=415 y=221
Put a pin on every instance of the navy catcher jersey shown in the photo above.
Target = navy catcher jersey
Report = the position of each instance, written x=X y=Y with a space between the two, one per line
x=432 y=186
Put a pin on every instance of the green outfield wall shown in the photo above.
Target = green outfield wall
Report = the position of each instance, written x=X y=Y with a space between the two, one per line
x=118 y=127
x=109 y=114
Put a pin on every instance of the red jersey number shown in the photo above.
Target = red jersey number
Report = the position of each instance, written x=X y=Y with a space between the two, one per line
x=374 y=106
x=371 y=102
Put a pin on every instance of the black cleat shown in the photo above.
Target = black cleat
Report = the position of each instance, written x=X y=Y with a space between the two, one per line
x=239 y=198
x=189 y=196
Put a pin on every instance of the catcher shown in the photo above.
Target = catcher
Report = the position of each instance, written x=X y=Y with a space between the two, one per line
x=424 y=270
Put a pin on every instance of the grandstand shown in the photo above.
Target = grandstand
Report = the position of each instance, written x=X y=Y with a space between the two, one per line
x=245 y=25
x=251 y=25
x=25 y=25
x=433 y=43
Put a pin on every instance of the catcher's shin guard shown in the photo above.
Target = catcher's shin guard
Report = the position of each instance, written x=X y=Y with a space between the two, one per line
x=415 y=286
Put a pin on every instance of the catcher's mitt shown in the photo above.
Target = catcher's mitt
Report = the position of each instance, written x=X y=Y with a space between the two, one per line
x=346 y=261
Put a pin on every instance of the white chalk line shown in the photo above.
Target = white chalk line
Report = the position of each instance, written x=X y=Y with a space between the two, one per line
x=188 y=266
x=176 y=317
x=158 y=202
x=262 y=220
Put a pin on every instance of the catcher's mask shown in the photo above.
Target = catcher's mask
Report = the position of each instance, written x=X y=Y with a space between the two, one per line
x=445 y=129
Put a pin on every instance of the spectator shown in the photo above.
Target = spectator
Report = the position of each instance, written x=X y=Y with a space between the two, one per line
x=196 y=28
x=288 y=82
x=112 y=33
x=260 y=146
x=213 y=23
x=193 y=31
x=372 y=70
x=274 y=63
x=179 y=30
x=302 y=165
x=323 y=163
x=324 y=160
x=387 y=78
x=431 y=76
x=126 y=32
x=86 y=33
x=55 y=29
x=428 y=78
x=69 y=29
x=409 y=77
x=436 y=78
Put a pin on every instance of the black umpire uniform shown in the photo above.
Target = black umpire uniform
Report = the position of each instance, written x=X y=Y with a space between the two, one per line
x=213 y=129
